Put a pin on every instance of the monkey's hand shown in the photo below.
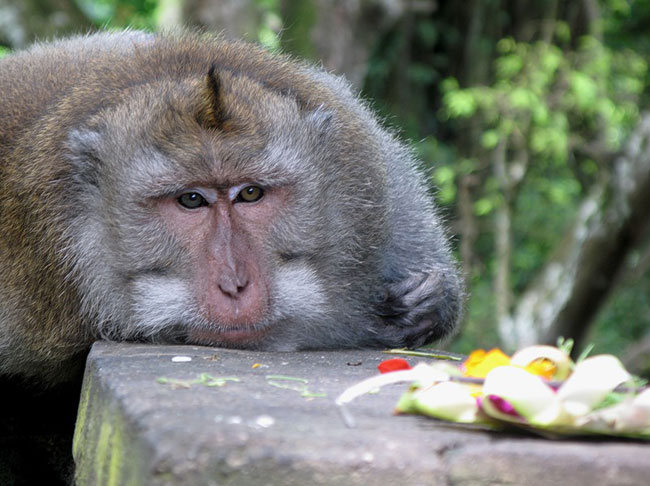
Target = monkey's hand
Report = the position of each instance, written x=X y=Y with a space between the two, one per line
x=419 y=309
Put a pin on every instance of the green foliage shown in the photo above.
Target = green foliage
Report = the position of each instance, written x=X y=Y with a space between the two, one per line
x=549 y=97
x=392 y=66
x=144 y=14
x=443 y=175
x=136 y=14
x=479 y=330
x=268 y=33
x=299 y=19
x=546 y=104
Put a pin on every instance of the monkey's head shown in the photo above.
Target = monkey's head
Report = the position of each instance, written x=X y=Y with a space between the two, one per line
x=224 y=212
x=212 y=193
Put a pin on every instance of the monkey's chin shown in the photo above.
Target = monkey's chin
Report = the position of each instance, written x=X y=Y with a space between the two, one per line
x=233 y=337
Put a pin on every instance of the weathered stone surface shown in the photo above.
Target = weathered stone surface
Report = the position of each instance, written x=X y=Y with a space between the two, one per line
x=133 y=430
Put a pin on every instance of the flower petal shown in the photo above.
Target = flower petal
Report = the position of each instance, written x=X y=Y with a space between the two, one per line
x=422 y=374
x=590 y=382
x=479 y=363
x=393 y=364
x=527 y=394
x=447 y=401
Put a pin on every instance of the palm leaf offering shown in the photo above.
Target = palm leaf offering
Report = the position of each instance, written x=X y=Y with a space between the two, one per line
x=539 y=388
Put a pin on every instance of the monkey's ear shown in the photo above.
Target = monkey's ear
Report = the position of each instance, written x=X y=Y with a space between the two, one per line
x=212 y=112
x=82 y=152
x=320 y=119
x=322 y=123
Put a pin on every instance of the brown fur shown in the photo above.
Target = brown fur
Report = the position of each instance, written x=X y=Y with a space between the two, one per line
x=95 y=131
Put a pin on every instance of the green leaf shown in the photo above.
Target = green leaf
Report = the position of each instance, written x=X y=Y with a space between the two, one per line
x=522 y=98
x=444 y=175
x=449 y=84
x=490 y=139
x=509 y=66
x=483 y=206
x=584 y=90
x=506 y=45
x=460 y=103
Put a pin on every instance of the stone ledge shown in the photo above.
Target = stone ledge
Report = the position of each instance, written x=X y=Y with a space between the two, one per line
x=133 y=430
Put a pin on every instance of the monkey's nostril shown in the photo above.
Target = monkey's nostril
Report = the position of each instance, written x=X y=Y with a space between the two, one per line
x=231 y=286
x=228 y=287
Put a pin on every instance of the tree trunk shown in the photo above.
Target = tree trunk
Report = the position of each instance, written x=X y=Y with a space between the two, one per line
x=503 y=246
x=467 y=224
x=612 y=220
x=339 y=33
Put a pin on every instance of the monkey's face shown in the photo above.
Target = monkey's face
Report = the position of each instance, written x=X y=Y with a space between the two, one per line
x=218 y=219
x=222 y=229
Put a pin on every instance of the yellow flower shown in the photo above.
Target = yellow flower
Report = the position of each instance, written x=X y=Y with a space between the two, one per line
x=542 y=367
x=479 y=363
x=546 y=361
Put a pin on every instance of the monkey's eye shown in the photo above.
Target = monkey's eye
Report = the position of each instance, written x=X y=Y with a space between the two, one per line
x=192 y=200
x=250 y=194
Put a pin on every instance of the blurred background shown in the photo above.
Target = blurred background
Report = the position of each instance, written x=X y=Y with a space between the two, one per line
x=530 y=119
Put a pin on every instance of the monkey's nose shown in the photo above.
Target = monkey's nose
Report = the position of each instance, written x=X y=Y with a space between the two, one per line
x=232 y=286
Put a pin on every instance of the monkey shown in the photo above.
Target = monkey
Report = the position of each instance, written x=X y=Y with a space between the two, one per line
x=182 y=188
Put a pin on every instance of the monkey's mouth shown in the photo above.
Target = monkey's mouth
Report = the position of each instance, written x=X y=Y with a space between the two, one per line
x=238 y=336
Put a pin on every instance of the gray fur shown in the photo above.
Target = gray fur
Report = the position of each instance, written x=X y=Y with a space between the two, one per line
x=96 y=128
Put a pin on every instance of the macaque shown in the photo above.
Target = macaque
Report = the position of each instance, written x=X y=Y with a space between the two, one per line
x=181 y=188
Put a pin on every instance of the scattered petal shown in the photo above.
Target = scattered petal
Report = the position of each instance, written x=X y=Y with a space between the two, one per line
x=393 y=364
x=293 y=383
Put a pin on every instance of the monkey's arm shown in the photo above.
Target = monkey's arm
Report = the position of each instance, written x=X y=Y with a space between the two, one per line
x=423 y=291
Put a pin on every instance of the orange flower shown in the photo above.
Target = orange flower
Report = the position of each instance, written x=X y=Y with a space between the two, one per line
x=479 y=363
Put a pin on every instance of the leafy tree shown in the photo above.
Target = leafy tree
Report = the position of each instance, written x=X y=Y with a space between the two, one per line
x=549 y=125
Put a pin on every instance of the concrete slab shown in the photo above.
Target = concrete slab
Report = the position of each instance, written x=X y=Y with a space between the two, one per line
x=134 y=430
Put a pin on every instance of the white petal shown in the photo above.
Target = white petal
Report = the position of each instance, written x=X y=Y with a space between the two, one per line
x=421 y=373
x=643 y=398
x=590 y=382
x=531 y=398
x=448 y=401
x=628 y=417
